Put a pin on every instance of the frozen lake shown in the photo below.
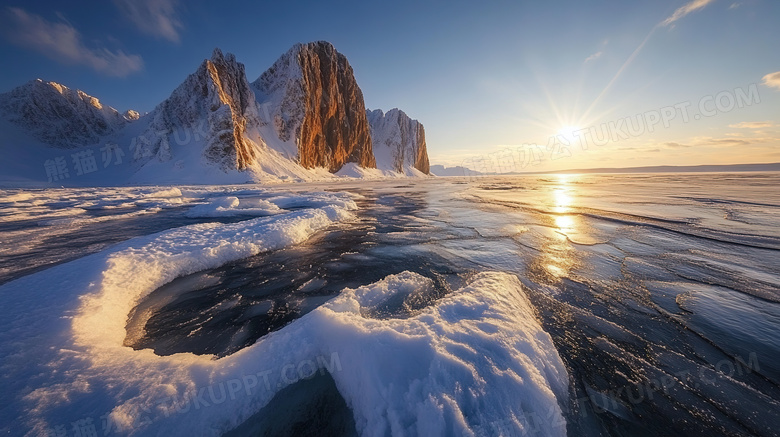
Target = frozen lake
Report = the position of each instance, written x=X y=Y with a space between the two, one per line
x=533 y=305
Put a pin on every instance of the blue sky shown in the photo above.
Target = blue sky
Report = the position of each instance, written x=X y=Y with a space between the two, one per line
x=491 y=79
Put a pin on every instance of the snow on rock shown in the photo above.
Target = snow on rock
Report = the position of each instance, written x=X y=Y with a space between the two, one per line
x=398 y=141
x=317 y=108
x=59 y=116
x=216 y=103
x=355 y=171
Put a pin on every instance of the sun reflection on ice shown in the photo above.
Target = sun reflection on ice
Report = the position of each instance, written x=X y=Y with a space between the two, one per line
x=557 y=257
x=565 y=224
x=562 y=201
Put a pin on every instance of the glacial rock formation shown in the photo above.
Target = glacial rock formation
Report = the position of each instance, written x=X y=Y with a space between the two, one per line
x=317 y=105
x=219 y=96
x=399 y=141
x=59 y=116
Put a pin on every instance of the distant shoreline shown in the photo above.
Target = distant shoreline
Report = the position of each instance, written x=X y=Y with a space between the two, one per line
x=723 y=168
x=720 y=168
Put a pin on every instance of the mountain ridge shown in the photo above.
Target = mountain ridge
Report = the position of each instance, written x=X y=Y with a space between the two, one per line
x=80 y=118
x=302 y=119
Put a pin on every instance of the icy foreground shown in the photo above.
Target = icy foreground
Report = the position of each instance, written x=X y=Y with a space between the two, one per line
x=474 y=362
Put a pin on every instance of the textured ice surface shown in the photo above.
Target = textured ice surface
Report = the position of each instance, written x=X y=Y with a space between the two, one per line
x=658 y=293
x=400 y=373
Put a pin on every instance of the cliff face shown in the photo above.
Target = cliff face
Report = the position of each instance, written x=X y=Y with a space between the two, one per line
x=398 y=141
x=59 y=116
x=317 y=103
x=219 y=96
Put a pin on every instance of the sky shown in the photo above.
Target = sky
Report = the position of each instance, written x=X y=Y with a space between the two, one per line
x=500 y=85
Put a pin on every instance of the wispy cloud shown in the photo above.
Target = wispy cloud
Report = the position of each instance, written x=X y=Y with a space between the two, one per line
x=673 y=145
x=159 y=18
x=684 y=10
x=752 y=125
x=772 y=80
x=735 y=5
x=594 y=56
x=61 y=42
x=726 y=142
x=709 y=141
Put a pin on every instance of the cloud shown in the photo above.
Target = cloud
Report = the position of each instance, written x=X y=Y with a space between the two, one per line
x=735 y=5
x=61 y=42
x=686 y=9
x=752 y=125
x=709 y=141
x=159 y=18
x=594 y=56
x=727 y=142
x=772 y=80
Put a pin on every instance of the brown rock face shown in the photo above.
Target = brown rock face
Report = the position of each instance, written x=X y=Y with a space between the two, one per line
x=319 y=102
x=421 y=160
x=229 y=120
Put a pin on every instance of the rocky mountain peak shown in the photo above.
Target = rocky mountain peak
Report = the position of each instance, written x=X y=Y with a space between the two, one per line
x=399 y=141
x=318 y=104
x=219 y=95
x=131 y=115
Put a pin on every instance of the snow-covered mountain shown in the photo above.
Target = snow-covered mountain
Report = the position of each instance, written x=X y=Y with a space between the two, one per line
x=303 y=119
x=398 y=141
x=59 y=116
x=217 y=104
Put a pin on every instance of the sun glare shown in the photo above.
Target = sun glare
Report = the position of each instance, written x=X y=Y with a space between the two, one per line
x=569 y=133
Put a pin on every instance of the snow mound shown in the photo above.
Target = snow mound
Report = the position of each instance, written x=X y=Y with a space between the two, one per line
x=170 y=192
x=312 y=200
x=231 y=206
x=477 y=362
x=353 y=170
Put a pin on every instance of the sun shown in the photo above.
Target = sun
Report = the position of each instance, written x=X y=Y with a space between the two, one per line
x=570 y=133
